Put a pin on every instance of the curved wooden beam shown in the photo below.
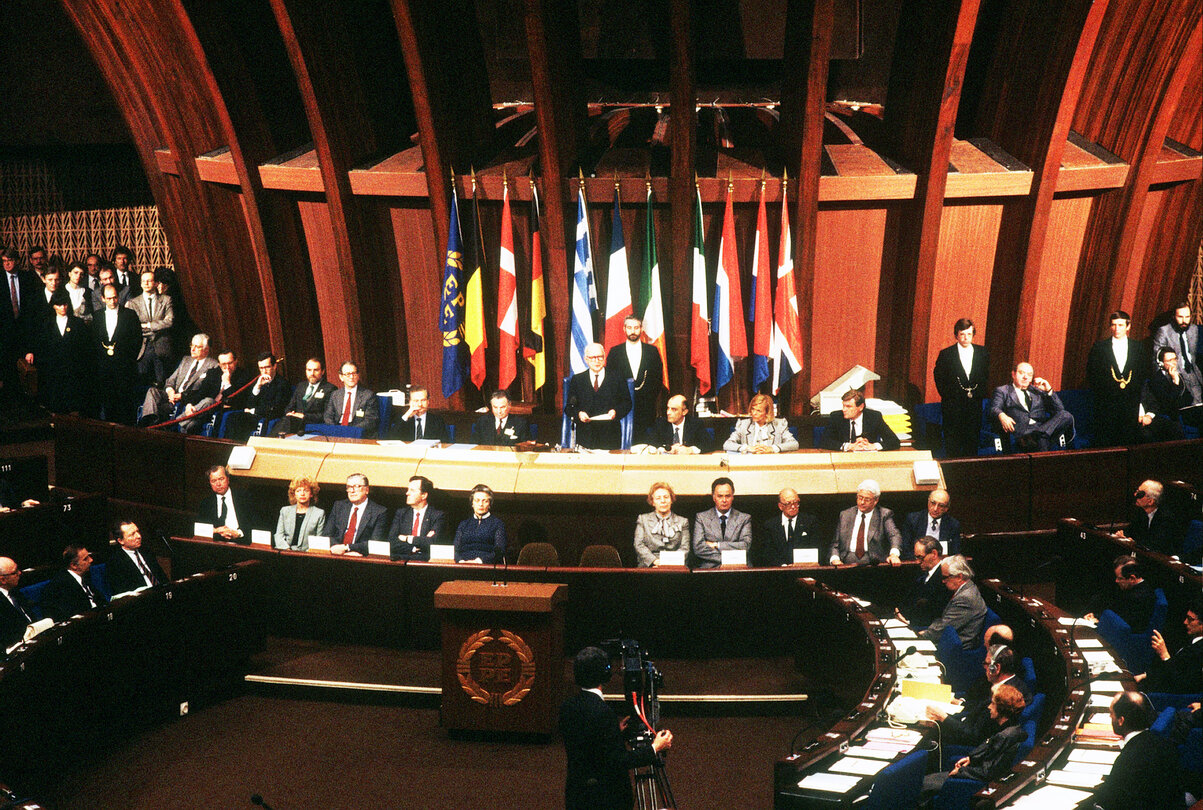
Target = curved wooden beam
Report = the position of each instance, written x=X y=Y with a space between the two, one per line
x=682 y=129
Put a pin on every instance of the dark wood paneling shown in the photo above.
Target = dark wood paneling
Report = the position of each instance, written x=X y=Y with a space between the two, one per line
x=1068 y=484
x=682 y=194
x=991 y=494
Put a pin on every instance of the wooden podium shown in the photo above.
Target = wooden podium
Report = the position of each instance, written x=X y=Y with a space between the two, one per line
x=503 y=655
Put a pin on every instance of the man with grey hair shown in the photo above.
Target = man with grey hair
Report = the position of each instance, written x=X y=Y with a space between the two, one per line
x=866 y=532
x=1149 y=524
x=357 y=519
x=184 y=384
x=965 y=611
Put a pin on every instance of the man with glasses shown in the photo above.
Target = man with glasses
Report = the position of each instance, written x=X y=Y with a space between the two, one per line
x=117 y=336
x=782 y=533
x=1131 y=600
x=70 y=591
x=352 y=404
x=928 y=597
x=935 y=522
x=1152 y=525
x=356 y=520
x=596 y=402
x=184 y=384
x=15 y=611
x=225 y=384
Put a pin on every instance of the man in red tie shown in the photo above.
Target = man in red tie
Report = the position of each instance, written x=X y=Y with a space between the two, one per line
x=866 y=532
x=356 y=520
x=417 y=525
x=353 y=404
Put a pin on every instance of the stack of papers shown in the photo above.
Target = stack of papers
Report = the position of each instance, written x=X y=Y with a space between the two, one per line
x=830 y=782
x=1051 y=797
x=856 y=765
x=1093 y=756
x=1074 y=779
x=875 y=750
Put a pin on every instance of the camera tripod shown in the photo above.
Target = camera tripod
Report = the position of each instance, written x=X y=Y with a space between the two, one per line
x=652 y=791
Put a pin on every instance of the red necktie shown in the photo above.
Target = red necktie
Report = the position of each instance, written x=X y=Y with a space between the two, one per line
x=594 y=382
x=352 y=525
x=417 y=524
x=860 y=538
x=347 y=402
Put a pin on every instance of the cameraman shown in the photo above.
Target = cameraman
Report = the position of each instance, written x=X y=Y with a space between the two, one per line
x=598 y=759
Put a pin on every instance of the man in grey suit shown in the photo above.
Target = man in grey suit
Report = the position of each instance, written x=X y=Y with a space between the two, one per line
x=1185 y=340
x=157 y=316
x=965 y=611
x=866 y=532
x=719 y=529
x=362 y=411
x=184 y=384
x=1031 y=412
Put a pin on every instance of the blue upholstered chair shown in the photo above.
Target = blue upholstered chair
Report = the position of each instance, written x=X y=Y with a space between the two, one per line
x=962 y=667
x=337 y=431
x=898 y=785
x=1133 y=645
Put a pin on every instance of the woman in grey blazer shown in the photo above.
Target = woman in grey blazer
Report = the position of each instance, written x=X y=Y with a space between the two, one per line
x=300 y=520
x=760 y=432
x=659 y=530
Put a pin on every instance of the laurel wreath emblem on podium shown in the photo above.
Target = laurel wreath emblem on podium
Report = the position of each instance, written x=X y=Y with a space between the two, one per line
x=463 y=668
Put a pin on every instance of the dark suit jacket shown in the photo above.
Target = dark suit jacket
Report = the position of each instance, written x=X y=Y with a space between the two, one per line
x=127 y=343
x=1182 y=674
x=769 y=546
x=1165 y=534
x=951 y=381
x=1134 y=606
x=373 y=524
x=973 y=725
x=1145 y=776
x=883 y=535
x=1044 y=407
x=692 y=434
x=365 y=410
x=915 y=526
x=271 y=401
x=12 y=623
x=123 y=575
x=516 y=430
x=432 y=531
x=315 y=408
x=649 y=382
x=1161 y=397
x=64 y=363
x=244 y=509
x=435 y=428
x=64 y=598
x=598 y=760
x=874 y=427
x=993 y=758
x=612 y=395
x=17 y=333
x=1115 y=408
x=925 y=601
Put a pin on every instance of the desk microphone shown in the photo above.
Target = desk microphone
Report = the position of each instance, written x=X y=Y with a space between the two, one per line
x=908 y=651
x=497 y=552
x=256 y=799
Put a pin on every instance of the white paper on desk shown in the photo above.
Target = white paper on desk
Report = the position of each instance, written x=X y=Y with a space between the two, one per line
x=1101 y=718
x=604 y=417
x=863 y=603
x=1106 y=687
x=672 y=557
x=260 y=537
x=379 y=548
x=1101 y=700
x=1098 y=657
x=390 y=442
x=1092 y=755
x=901 y=634
x=442 y=552
x=1074 y=779
x=319 y=543
x=928 y=675
x=864 y=767
x=1070 y=621
x=924 y=645
x=886 y=753
x=1089 y=643
x=830 y=782
x=804 y=556
x=894 y=735
x=1099 y=768
x=433 y=442
x=893 y=622
x=735 y=556
x=917 y=660
x=1051 y=797
x=202 y=529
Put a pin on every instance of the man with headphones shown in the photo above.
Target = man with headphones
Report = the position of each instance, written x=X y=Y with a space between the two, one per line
x=599 y=761
x=1132 y=600
x=973 y=725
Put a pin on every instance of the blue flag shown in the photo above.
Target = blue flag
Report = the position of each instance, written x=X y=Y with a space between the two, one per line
x=451 y=315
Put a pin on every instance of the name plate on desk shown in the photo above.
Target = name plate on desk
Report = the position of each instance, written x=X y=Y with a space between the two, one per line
x=202 y=529
x=259 y=537
x=806 y=556
x=927 y=472
x=440 y=552
x=379 y=548
x=672 y=557
x=735 y=556
x=319 y=543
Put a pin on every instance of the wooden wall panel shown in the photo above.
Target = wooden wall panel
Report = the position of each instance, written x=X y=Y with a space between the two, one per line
x=319 y=244
x=1054 y=293
x=420 y=258
x=1171 y=230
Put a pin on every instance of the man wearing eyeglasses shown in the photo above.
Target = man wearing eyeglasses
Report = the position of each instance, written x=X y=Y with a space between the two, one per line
x=356 y=520
x=117 y=336
x=784 y=532
x=352 y=404
x=596 y=401
x=15 y=611
x=935 y=522
x=1150 y=524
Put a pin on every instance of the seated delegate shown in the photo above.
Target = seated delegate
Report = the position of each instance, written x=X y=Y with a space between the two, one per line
x=301 y=519
x=760 y=432
x=661 y=529
x=480 y=538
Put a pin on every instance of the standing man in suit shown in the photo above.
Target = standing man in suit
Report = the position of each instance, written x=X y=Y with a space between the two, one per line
x=1115 y=371
x=597 y=399
x=128 y=567
x=598 y=759
x=227 y=510
x=961 y=374
x=935 y=522
x=123 y=260
x=1164 y=395
x=857 y=428
x=866 y=532
x=1186 y=341
x=965 y=611
x=638 y=361
x=418 y=422
x=1151 y=525
x=267 y=400
x=1146 y=772
x=783 y=533
x=118 y=339
x=353 y=404
x=357 y=519
x=18 y=309
x=108 y=276
x=308 y=403
x=1030 y=412
x=15 y=611
x=719 y=529
x=499 y=427
x=183 y=385
x=678 y=432
x=417 y=525
x=71 y=591
x=156 y=316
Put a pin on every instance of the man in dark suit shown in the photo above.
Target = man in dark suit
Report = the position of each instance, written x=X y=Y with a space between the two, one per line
x=108 y=276
x=678 y=432
x=71 y=591
x=308 y=403
x=993 y=758
x=935 y=522
x=719 y=529
x=18 y=315
x=1115 y=371
x=965 y=611
x=598 y=760
x=417 y=525
x=925 y=601
x=1162 y=399
x=266 y=399
x=129 y=568
x=1030 y=412
x=357 y=519
x=638 y=361
x=15 y=612
x=781 y=534
x=973 y=725
x=1146 y=772
x=1181 y=672
x=866 y=532
x=227 y=384
x=353 y=404
x=118 y=339
x=227 y=510
x=1150 y=524
x=597 y=400
x=961 y=373
x=499 y=427
x=1186 y=341
x=418 y=422
x=1132 y=599
x=857 y=428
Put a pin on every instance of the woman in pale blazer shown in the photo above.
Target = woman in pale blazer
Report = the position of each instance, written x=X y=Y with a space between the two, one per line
x=661 y=529
x=300 y=520
x=760 y=432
